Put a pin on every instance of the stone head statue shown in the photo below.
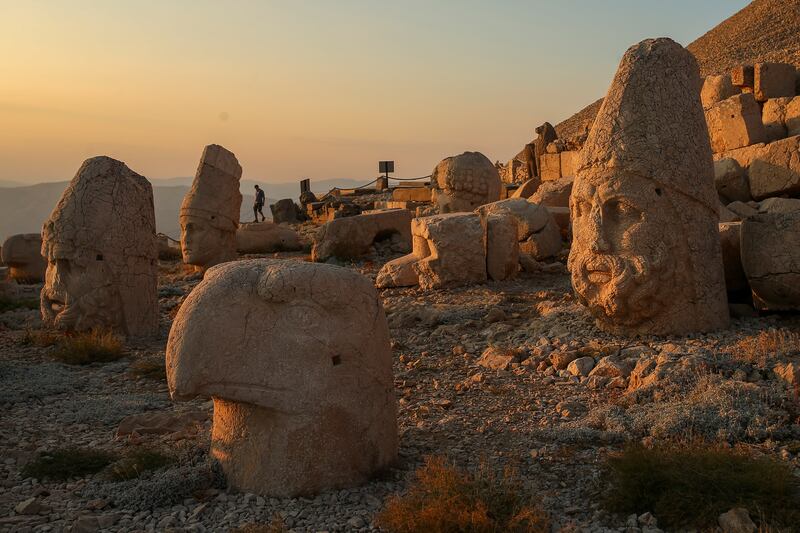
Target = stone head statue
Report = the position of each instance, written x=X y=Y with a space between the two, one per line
x=209 y=213
x=463 y=182
x=22 y=253
x=296 y=357
x=101 y=252
x=646 y=256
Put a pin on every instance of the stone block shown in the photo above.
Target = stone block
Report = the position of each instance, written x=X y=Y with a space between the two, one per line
x=502 y=247
x=776 y=172
x=731 y=181
x=773 y=115
x=779 y=205
x=792 y=117
x=744 y=156
x=729 y=233
x=773 y=80
x=770 y=251
x=743 y=76
x=569 y=161
x=539 y=235
x=551 y=167
x=352 y=237
x=527 y=189
x=411 y=194
x=734 y=123
x=717 y=88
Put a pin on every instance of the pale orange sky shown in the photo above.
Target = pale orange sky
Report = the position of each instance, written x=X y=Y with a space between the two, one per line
x=318 y=88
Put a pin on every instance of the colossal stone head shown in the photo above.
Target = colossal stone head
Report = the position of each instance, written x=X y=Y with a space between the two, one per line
x=101 y=252
x=296 y=357
x=209 y=213
x=463 y=182
x=646 y=255
x=22 y=253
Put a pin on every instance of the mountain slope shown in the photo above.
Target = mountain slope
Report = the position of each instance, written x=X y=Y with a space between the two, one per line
x=765 y=30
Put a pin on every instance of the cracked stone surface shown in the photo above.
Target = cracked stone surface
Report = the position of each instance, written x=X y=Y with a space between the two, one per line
x=209 y=214
x=646 y=255
x=463 y=182
x=101 y=251
x=296 y=357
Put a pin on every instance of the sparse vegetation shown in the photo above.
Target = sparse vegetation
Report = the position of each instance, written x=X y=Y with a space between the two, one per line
x=8 y=304
x=766 y=345
x=445 y=499
x=67 y=463
x=150 y=367
x=89 y=347
x=40 y=337
x=689 y=486
x=135 y=463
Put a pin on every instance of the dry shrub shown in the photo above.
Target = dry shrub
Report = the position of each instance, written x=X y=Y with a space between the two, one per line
x=67 y=463
x=690 y=485
x=444 y=499
x=767 y=345
x=150 y=368
x=40 y=337
x=89 y=347
x=136 y=463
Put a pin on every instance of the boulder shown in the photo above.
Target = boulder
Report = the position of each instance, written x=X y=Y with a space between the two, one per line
x=741 y=209
x=581 y=366
x=779 y=205
x=285 y=211
x=744 y=156
x=612 y=366
x=770 y=250
x=734 y=123
x=502 y=247
x=495 y=358
x=773 y=115
x=102 y=255
x=776 y=172
x=448 y=250
x=411 y=194
x=729 y=233
x=773 y=80
x=792 y=117
x=168 y=248
x=726 y=215
x=352 y=237
x=527 y=189
x=22 y=253
x=716 y=89
x=209 y=214
x=539 y=234
x=266 y=237
x=553 y=193
x=646 y=257
x=736 y=520
x=296 y=358
x=731 y=181
x=463 y=182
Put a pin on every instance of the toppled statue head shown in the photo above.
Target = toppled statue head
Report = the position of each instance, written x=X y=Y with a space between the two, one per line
x=101 y=251
x=209 y=213
x=646 y=255
x=463 y=182
x=296 y=357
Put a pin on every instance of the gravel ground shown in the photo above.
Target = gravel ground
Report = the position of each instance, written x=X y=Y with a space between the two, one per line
x=553 y=423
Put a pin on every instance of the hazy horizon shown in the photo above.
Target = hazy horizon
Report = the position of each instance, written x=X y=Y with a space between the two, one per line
x=319 y=89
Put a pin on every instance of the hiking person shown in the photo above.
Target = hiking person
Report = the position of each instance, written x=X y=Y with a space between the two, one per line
x=259 y=204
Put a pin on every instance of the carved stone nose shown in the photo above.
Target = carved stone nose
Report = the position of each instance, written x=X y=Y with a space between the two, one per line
x=597 y=241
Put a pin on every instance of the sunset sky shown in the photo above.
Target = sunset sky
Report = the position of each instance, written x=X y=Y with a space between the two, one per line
x=322 y=89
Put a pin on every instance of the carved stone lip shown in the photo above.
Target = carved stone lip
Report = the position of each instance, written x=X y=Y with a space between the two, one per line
x=599 y=277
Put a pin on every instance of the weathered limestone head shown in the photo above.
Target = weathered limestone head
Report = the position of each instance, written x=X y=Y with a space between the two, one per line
x=646 y=253
x=209 y=213
x=463 y=182
x=296 y=357
x=22 y=253
x=101 y=252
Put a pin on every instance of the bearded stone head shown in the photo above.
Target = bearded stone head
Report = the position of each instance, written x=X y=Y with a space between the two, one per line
x=463 y=182
x=101 y=252
x=646 y=256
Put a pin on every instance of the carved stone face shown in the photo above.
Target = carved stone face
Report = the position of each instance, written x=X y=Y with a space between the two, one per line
x=204 y=244
x=79 y=292
x=625 y=255
x=463 y=182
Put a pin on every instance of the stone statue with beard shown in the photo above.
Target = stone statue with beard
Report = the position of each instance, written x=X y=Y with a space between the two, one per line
x=646 y=255
x=101 y=251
